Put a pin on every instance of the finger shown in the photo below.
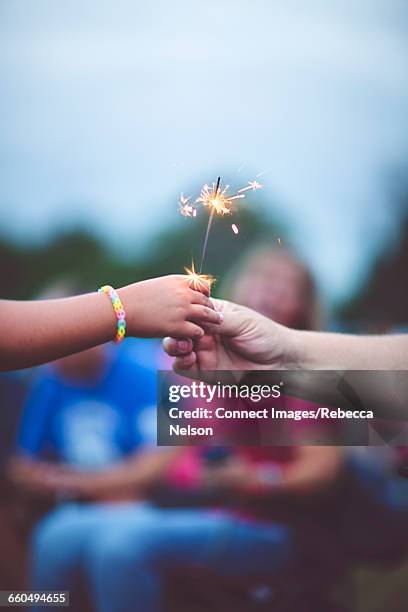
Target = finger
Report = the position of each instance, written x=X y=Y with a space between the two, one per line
x=202 y=314
x=222 y=305
x=185 y=363
x=177 y=347
x=232 y=325
x=202 y=287
x=200 y=298
x=188 y=329
x=206 y=343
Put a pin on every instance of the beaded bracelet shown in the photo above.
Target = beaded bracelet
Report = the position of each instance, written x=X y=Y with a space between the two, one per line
x=119 y=311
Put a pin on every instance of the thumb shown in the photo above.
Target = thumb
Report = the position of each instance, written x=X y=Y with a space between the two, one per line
x=232 y=318
x=229 y=326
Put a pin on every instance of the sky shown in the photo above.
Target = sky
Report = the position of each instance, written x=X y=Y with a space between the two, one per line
x=108 y=110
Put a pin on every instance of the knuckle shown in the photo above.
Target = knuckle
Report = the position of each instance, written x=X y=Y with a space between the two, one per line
x=181 y=294
x=181 y=312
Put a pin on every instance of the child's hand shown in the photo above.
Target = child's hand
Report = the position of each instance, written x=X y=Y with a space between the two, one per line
x=167 y=306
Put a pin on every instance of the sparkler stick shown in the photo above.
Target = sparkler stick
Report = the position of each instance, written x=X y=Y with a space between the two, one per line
x=210 y=220
x=217 y=186
x=206 y=239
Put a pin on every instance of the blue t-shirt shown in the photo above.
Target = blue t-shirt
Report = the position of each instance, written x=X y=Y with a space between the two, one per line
x=91 y=426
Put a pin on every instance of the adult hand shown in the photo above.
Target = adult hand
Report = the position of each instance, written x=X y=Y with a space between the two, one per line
x=245 y=340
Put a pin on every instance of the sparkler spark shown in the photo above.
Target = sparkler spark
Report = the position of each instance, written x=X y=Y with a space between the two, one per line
x=235 y=228
x=198 y=281
x=254 y=185
x=185 y=208
x=216 y=198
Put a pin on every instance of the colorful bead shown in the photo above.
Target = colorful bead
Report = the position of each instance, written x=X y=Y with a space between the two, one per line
x=119 y=311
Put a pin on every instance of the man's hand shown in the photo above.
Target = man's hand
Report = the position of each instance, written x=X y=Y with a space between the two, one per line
x=245 y=340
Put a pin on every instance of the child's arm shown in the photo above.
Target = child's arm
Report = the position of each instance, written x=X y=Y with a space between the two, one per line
x=36 y=332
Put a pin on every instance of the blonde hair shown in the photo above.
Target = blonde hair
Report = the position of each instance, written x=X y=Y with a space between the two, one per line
x=312 y=318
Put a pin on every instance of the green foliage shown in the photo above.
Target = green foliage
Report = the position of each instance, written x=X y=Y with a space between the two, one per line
x=79 y=256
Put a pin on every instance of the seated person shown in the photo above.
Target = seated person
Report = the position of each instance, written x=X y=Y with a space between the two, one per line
x=87 y=440
x=369 y=507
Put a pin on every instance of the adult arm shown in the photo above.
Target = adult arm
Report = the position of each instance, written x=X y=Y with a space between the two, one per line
x=247 y=340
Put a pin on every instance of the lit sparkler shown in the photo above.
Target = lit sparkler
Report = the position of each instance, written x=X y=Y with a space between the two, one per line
x=216 y=199
x=219 y=202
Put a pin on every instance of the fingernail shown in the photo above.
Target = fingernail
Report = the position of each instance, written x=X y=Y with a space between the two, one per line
x=182 y=345
x=221 y=317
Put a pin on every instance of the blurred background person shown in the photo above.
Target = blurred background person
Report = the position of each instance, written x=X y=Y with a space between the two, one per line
x=274 y=282
x=293 y=485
